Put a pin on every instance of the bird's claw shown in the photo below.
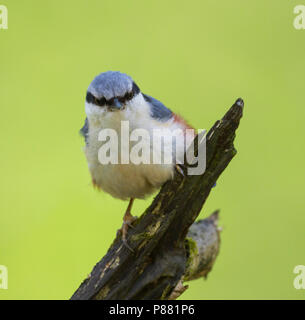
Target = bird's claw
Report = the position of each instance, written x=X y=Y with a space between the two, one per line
x=125 y=243
x=129 y=222
x=179 y=169
x=124 y=229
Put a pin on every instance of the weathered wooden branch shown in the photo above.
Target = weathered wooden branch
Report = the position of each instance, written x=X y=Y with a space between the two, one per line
x=169 y=247
x=202 y=246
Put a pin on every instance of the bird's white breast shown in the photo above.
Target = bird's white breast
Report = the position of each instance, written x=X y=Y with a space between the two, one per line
x=127 y=180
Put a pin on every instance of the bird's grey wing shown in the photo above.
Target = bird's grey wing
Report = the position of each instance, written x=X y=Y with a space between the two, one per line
x=158 y=110
x=85 y=130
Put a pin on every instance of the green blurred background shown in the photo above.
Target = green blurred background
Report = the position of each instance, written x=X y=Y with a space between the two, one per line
x=195 y=56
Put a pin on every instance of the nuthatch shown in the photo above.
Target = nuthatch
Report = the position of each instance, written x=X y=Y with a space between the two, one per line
x=112 y=98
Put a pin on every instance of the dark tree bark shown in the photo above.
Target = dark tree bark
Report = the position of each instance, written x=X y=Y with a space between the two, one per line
x=168 y=246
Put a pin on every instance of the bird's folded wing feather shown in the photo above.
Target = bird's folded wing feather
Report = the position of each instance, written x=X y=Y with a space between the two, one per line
x=84 y=130
x=158 y=110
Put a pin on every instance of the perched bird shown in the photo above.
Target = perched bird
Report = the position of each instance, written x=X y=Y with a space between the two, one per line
x=113 y=97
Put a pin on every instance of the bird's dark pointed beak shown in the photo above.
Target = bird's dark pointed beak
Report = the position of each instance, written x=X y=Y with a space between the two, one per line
x=117 y=104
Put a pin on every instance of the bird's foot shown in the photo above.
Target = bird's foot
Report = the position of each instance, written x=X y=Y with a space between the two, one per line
x=127 y=222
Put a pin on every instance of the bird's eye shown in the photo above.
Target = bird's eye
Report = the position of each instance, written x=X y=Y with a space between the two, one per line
x=128 y=96
x=101 y=102
x=110 y=102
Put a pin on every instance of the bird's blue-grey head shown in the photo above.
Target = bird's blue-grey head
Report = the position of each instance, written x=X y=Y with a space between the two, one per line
x=112 y=89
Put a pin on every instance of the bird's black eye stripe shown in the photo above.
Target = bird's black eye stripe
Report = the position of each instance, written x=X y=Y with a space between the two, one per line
x=101 y=102
x=90 y=98
x=135 y=89
x=129 y=95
